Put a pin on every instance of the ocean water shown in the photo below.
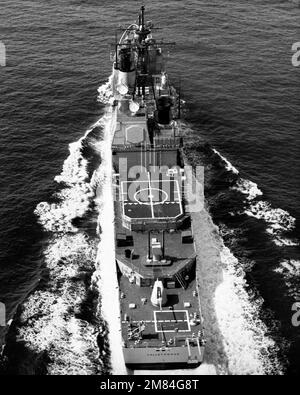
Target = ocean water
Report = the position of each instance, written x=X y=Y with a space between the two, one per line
x=241 y=120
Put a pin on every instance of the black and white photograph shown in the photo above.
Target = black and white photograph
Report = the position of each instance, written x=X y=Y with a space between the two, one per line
x=149 y=196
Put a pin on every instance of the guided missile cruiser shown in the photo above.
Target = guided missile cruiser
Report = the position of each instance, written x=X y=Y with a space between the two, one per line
x=161 y=320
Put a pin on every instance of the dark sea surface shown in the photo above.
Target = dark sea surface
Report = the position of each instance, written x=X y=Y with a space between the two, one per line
x=242 y=99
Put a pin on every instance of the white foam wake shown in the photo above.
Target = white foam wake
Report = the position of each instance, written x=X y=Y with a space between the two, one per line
x=105 y=93
x=106 y=274
x=229 y=166
x=278 y=220
x=284 y=242
x=246 y=343
x=290 y=269
x=74 y=199
x=51 y=320
x=48 y=323
x=70 y=342
x=237 y=339
x=246 y=187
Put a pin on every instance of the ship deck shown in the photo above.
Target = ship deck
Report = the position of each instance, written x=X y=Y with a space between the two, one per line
x=160 y=326
x=151 y=199
x=177 y=254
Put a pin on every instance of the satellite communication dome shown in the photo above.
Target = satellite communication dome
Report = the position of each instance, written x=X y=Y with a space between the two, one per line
x=134 y=106
x=122 y=89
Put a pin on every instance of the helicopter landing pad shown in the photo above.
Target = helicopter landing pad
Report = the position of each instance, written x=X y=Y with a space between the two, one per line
x=171 y=321
x=156 y=199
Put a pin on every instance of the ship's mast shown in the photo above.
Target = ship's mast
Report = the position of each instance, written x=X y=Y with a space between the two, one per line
x=143 y=32
x=143 y=17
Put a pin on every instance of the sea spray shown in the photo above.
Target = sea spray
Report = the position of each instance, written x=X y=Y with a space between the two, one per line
x=237 y=340
x=105 y=93
x=60 y=320
x=246 y=187
x=74 y=199
x=106 y=274
x=249 y=348
x=52 y=320
x=278 y=220
x=290 y=269
x=229 y=166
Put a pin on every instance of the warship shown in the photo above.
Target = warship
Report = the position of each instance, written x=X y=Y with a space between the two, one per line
x=161 y=320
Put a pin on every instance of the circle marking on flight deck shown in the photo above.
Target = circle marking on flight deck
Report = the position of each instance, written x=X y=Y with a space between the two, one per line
x=151 y=196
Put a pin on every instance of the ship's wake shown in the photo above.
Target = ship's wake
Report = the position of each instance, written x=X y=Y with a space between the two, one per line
x=255 y=237
x=106 y=274
x=279 y=226
x=71 y=323
x=59 y=328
